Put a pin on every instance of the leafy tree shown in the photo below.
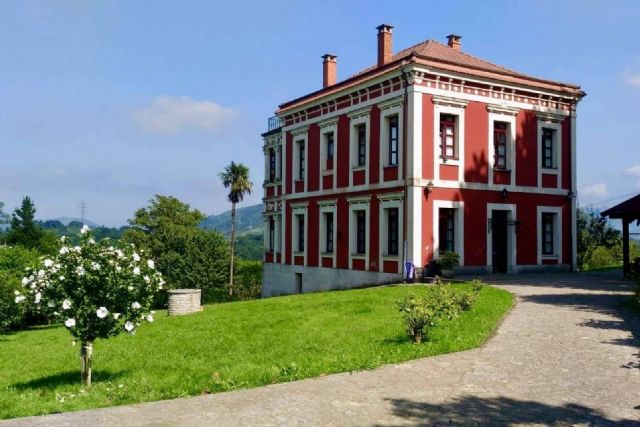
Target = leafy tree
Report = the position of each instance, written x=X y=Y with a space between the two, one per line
x=26 y=231
x=186 y=255
x=97 y=289
x=594 y=232
x=13 y=261
x=235 y=177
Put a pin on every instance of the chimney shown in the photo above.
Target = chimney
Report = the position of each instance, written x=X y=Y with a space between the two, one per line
x=384 y=44
x=454 y=41
x=328 y=70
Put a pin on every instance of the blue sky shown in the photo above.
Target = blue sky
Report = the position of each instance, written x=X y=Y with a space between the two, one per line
x=112 y=102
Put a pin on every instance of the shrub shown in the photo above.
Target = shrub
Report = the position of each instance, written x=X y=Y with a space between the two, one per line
x=13 y=261
x=449 y=260
x=96 y=289
x=439 y=303
x=248 y=279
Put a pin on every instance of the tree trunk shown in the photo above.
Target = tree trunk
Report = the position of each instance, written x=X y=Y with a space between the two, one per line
x=86 y=355
x=233 y=246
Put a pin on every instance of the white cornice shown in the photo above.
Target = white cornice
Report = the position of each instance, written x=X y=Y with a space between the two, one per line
x=449 y=101
x=502 y=109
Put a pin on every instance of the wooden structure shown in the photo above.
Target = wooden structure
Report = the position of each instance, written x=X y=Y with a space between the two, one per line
x=628 y=211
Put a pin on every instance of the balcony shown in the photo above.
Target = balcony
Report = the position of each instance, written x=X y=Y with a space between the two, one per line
x=274 y=122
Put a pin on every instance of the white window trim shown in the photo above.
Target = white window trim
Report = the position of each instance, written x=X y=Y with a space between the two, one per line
x=361 y=203
x=299 y=209
x=557 y=227
x=455 y=109
x=390 y=201
x=276 y=234
x=327 y=207
x=325 y=128
x=512 y=234
x=361 y=117
x=385 y=113
x=509 y=118
x=557 y=147
x=459 y=227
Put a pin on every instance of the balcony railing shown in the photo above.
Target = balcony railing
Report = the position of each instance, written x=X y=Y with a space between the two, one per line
x=275 y=122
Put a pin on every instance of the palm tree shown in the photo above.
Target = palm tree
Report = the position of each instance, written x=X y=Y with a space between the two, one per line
x=236 y=178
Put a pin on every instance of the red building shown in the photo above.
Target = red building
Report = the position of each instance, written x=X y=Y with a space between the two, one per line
x=431 y=149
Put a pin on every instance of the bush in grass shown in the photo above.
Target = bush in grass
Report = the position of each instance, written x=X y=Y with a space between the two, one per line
x=439 y=303
x=13 y=261
x=248 y=282
x=97 y=290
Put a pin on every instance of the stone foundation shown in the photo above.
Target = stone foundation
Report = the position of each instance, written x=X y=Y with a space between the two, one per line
x=184 y=301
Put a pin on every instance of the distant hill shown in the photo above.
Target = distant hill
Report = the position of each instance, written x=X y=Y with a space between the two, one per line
x=66 y=220
x=249 y=220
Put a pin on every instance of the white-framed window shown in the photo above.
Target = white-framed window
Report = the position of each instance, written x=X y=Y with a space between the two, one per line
x=390 y=227
x=329 y=148
x=359 y=230
x=448 y=228
x=272 y=236
x=391 y=134
x=449 y=134
x=502 y=141
x=359 y=142
x=549 y=233
x=328 y=232
x=550 y=149
x=299 y=226
x=300 y=163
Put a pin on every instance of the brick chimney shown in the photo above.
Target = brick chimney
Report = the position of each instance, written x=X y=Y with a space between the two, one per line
x=454 y=41
x=329 y=72
x=385 y=48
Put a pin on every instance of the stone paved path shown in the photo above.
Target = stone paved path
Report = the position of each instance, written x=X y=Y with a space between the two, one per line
x=567 y=354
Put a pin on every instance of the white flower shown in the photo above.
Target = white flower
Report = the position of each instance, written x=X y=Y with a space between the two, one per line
x=135 y=305
x=63 y=238
x=51 y=304
x=130 y=288
x=85 y=228
x=64 y=250
x=151 y=264
x=38 y=297
x=47 y=263
x=77 y=249
x=66 y=304
x=80 y=271
x=40 y=274
x=91 y=241
x=95 y=266
x=149 y=318
x=136 y=257
x=20 y=298
x=119 y=253
x=147 y=279
x=136 y=271
x=61 y=278
x=16 y=292
x=129 y=326
x=102 y=312
x=116 y=315
x=118 y=268
x=70 y=323
x=25 y=281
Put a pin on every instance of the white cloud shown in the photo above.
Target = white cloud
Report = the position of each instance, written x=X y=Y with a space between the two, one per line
x=595 y=191
x=631 y=78
x=167 y=115
x=633 y=171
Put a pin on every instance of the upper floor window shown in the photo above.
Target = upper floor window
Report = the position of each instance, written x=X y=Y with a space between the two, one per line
x=330 y=143
x=362 y=144
x=548 y=233
x=392 y=230
x=300 y=233
x=548 y=148
x=301 y=161
x=272 y=164
x=328 y=217
x=446 y=229
x=361 y=232
x=500 y=138
x=448 y=137
x=393 y=140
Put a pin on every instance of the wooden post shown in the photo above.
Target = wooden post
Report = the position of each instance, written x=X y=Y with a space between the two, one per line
x=86 y=354
x=626 y=256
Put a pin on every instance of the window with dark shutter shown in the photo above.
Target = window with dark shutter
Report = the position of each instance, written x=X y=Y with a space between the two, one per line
x=361 y=232
x=300 y=233
x=548 y=220
x=362 y=145
x=500 y=130
x=392 y=230
x=448 y=141
x=548 y=155
x=393 y=140
x=446 y=230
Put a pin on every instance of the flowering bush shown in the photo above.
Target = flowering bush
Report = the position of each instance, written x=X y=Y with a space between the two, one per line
x=95 y=289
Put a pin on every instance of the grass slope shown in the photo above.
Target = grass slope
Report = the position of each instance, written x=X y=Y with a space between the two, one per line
x=230 y=346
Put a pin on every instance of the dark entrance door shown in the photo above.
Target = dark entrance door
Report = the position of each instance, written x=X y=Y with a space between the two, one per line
x=499 y=240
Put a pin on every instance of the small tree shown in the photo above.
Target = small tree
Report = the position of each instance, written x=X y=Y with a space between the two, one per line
x=96 y=289
x=235 y=177
x=593 y=231
x=26 y=231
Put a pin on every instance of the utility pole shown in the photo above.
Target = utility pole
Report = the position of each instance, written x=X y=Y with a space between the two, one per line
x=83 y=211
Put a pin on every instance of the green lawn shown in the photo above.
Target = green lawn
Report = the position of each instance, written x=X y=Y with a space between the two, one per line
x=230 y=346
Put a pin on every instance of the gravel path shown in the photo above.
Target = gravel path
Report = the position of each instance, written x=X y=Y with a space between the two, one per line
x=567 y=354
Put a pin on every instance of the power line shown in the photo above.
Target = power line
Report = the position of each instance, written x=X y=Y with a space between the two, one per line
x=613 y=199
x=83 y=211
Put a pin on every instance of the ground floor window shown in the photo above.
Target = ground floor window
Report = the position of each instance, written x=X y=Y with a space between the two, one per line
x=392 y=231
x=361 y=232
x=328 y=218
x=548 y=233
x=300 y=220
x=446 y=230
x=272 y=234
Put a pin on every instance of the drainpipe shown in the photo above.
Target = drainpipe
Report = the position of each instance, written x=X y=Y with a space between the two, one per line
x=404 y=169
